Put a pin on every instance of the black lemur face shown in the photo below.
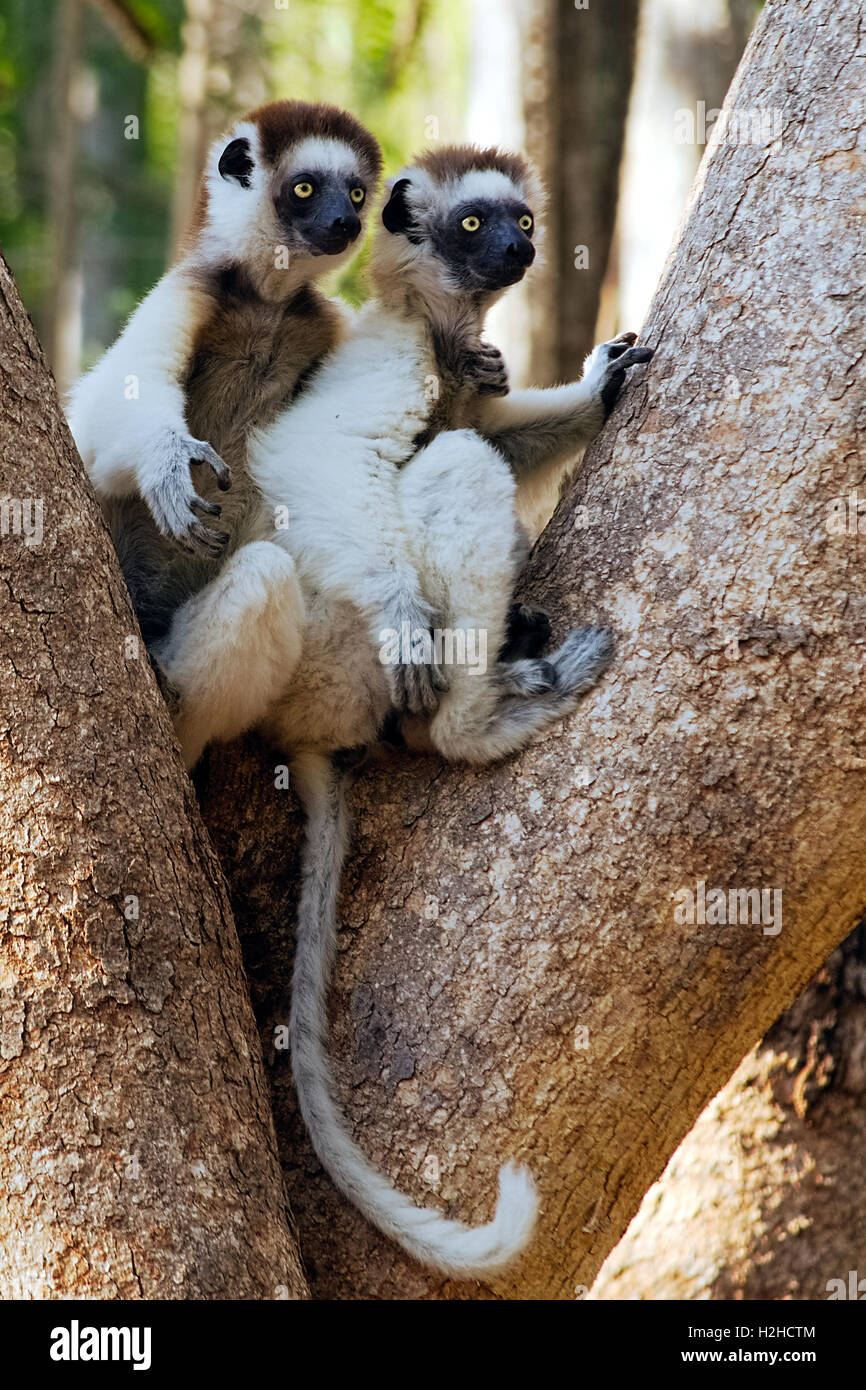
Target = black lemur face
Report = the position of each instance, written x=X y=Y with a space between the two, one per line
x=319 y=209
x=486 y=243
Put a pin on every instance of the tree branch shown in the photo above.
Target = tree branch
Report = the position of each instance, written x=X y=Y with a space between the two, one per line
x=133 y=36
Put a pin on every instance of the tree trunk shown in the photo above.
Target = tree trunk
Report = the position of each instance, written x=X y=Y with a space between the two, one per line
x=687 y=55
x=515 y=978
x=766 y=1197
x=138 y=1158
x=579 y=67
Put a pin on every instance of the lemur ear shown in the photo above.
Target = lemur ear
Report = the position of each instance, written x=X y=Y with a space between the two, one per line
x=396 y=214
x=236 y=162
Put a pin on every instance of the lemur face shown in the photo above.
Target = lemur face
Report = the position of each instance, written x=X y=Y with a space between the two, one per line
x=486 y=242
x=291 y=179
x=319 y=193
x=468 y=212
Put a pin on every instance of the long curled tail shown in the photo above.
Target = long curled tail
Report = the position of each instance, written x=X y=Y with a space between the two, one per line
x=446 y=1245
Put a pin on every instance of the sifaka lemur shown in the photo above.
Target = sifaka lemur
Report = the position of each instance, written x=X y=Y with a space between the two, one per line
x=223 y=343
x=399 y=524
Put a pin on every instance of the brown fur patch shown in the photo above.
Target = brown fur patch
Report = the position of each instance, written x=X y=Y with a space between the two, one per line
x=249 y=358
x=285 y=123
x=453 y=161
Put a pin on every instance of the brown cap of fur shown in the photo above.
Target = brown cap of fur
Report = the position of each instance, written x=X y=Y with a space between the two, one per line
x=285 y=123
x=453 y=161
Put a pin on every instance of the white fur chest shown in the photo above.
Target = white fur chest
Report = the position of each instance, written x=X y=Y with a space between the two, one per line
x=328 y=466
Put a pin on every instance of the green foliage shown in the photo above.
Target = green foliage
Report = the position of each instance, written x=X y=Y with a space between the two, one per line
x=398 y=64
x=395 y=63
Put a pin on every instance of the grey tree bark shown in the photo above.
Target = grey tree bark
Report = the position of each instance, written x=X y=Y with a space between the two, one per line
x=137 y=1150
x=766 y=1197
x=513 y=980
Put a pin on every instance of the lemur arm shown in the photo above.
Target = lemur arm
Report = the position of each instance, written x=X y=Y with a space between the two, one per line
x=127 y=414
x=543 y=428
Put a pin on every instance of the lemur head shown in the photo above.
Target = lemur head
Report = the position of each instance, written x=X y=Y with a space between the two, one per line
x=460 y=220
x=285 y=191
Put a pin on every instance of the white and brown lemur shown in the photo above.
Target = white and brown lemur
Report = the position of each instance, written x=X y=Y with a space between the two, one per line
x=223 y=343
x=397 y=522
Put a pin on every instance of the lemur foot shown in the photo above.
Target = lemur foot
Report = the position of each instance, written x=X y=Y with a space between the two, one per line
x=566 y=674
x=608 y=363
x=416 y=686
x=583 y=657
x=168 y=490
x=485 y=372
x=415 y=680
x=527 y=634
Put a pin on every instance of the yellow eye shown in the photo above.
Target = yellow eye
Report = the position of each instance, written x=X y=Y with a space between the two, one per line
x=303 y=190
x=357 y=195
x=471 y=223
x=525 y=223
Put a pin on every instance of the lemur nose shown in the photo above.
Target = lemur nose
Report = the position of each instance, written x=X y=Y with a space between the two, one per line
x=521 y=251
x=348 y=225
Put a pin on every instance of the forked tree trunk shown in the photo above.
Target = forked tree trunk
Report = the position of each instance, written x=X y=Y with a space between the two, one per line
x=513 y=980
x=137 y=1157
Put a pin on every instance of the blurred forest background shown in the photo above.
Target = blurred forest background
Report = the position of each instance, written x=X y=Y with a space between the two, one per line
x=107 y=107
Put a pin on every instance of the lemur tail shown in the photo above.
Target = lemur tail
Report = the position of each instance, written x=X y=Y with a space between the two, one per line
x=446 y=1245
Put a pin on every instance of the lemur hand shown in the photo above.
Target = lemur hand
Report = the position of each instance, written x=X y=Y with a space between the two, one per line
x=608 y=363
x=167 y=488
x=485 y=371
x=415 y=680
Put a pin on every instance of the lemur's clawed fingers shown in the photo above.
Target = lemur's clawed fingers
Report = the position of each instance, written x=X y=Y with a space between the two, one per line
x=206 y=539
x=204 y=454
x=527 y=634
x=202 y=507
x=416 y=688
x=439 y=679
x=634 y=356
x=618 y=345
x=485 y=371
x=609 y=362
x=169 y=491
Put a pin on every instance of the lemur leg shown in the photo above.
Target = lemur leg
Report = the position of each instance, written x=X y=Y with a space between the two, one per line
x=459 y=497
x=232 y=649
x=536 y=694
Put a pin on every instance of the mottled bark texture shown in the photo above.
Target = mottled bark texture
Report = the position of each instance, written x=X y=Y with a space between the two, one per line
x=138 y=1156
x=766 y=1197
x=579 y=64
x=513 y=981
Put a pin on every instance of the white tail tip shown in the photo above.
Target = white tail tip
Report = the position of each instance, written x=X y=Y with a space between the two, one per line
x=475 y=1252
x=516 y=1208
